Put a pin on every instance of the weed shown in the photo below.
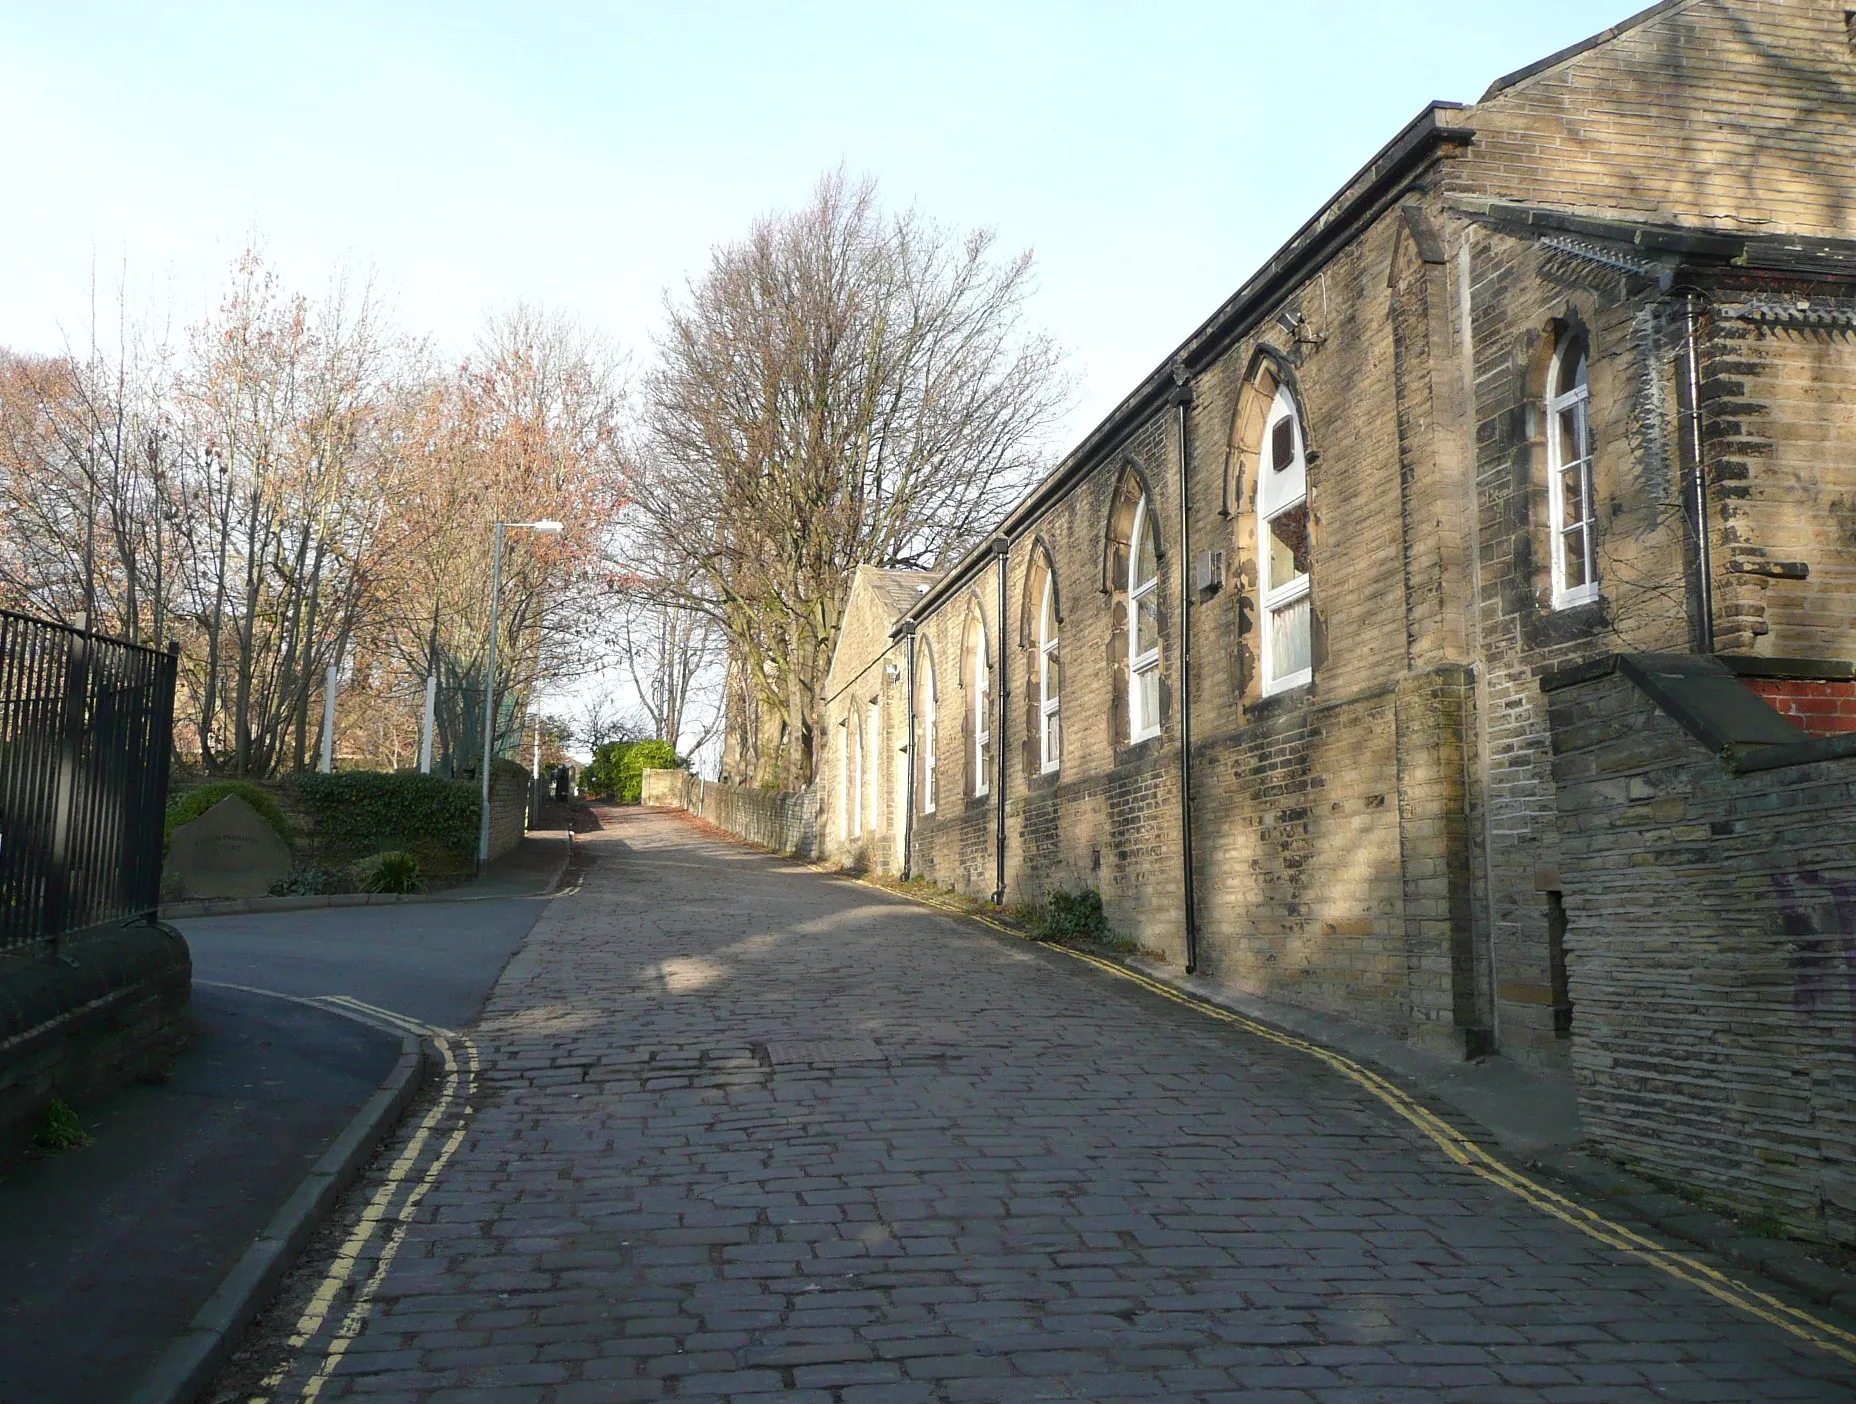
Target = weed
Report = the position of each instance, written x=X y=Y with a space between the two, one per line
x=60 y=1130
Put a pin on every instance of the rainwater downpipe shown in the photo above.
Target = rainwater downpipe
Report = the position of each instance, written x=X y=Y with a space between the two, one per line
x=909 y=747
x=1182 y=406
x=1704 y=565
x=1001 y=546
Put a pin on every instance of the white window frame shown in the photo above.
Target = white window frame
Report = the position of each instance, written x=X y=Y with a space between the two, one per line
x=873 y=766
x=1050 y=724
x=929 y=759
x=1273 y=597
x=856 y=725
x=1579 y=400
x=844 y=781
x=982 y=712
x=1141 y=726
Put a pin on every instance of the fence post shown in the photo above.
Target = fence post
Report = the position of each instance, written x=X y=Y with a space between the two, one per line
x=64 y=806
x=167 y=678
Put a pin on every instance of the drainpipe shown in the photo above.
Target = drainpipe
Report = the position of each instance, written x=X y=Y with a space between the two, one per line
x=908 y=802
x=1000 y=547
x=1704 y=566
x=1182 y=405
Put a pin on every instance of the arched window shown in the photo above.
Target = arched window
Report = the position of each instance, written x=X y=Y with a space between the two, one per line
x=856 y=725
x=1143 y=626
x=1050 y=729
x=873 y=765
x=844 y=780
x=980 y=673
x=1569 y=477
x=930 y=700
x=1282 y=550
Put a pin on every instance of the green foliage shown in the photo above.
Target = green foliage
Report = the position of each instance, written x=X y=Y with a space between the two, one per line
x=617 y=771
x=368 y=811
x=185 y=808
x=60 y=1130
x=639 y=757
x=395 y=871
x=1071 y=916
x=601 y=777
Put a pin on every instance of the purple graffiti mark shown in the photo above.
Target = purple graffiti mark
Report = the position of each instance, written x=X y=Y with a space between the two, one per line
x=1813 y=959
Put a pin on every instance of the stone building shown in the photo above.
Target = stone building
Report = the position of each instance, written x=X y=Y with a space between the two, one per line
x=1561 y=378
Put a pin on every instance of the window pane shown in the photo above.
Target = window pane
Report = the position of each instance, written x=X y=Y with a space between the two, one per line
x=1572 y=372
x=1569 y=435
x=1146 y=623
x=1572 y=496
x=1288 y=546
x=1148 y=693
x=1145 y=562
x=1052 y=676
x=1572 y=550
x=1290 y=650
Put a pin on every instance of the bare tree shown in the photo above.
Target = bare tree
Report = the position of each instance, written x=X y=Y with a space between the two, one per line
x=843 y=386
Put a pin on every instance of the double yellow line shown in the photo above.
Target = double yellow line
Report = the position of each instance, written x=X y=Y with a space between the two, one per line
x=390 y=1208
x=1463 y=1151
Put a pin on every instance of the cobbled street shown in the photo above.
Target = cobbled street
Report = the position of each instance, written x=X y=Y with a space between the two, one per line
x=745 y=1130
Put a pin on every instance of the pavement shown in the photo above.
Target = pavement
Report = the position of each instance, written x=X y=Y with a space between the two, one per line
x=738 y=1130
x=109 y=1250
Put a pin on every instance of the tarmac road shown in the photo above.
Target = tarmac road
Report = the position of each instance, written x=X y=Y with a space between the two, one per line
x=106 y=1252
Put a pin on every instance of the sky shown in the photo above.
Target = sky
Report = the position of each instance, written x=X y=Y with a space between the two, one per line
x=588 y=157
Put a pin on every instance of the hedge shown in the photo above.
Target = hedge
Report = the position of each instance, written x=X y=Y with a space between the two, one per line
x=368 y=811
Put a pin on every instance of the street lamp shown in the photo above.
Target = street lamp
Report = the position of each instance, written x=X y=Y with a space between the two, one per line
x=489 y=678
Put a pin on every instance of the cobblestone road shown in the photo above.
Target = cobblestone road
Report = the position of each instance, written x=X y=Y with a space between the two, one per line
x=746 y=1131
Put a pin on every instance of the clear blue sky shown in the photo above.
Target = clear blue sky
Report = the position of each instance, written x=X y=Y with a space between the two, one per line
x=586 y=156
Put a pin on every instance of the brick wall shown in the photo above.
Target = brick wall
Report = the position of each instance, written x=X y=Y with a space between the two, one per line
x=509 y=803
x=1711 y=916
x=1821 y=708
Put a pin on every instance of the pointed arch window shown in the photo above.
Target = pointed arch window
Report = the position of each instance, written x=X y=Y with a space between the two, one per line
x=1282 y=550
x=930 y=699
x=1143 y=626
x=982 y=710
x=1050 y=728
x=856 y=726
x=1569 y=477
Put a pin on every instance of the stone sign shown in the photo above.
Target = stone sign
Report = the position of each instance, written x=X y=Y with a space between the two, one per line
x=229 y=851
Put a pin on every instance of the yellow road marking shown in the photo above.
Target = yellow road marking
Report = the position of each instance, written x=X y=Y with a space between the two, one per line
x=1465 y=1152
x=457 y=1080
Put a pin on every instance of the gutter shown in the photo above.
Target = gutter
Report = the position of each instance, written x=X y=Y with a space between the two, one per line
x=908 y=800
x=1182 y=406
x=1001 y=547
x=1437 y=129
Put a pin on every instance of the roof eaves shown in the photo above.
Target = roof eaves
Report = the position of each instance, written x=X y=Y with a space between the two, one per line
x=1330 y=229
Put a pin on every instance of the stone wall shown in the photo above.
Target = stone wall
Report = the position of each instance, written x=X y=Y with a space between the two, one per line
x=1711 y=950
x=782 y=821
x=80 y=1020
x=509 y=806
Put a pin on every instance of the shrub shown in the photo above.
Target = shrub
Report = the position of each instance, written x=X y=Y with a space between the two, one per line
x=645 y=755
x=601 y=777
x=186 y=807
x=395 y=871
x=362 y=811
x=1071 y=916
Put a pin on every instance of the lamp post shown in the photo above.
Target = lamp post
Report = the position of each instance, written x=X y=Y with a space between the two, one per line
x=489 y=677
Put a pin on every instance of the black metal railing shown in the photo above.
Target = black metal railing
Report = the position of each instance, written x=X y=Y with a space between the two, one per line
x=86 y=730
